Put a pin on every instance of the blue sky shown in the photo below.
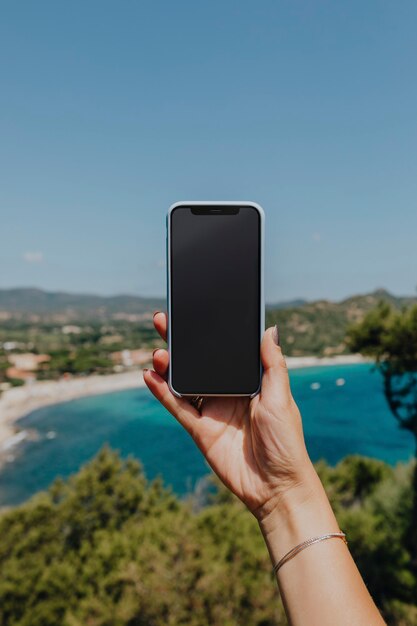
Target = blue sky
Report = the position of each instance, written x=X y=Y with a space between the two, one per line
x=111 y=111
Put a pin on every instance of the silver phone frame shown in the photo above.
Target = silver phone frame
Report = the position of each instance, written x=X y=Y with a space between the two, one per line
x=192 y=203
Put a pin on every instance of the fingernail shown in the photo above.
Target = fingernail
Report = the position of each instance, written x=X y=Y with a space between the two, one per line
x=145 y=369
x=275 y=335
x=155 y=313
x=156 y=350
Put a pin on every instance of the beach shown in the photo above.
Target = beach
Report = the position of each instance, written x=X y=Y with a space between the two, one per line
x=295 y=362
x=20 y=401
x=17 y=402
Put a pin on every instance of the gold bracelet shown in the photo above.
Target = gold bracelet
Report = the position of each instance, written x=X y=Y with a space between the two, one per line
x=305 y=544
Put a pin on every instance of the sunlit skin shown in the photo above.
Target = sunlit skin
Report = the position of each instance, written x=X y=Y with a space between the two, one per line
x=256 y=447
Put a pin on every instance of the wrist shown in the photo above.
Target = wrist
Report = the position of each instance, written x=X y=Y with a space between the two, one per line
x=297 y=514
x=304 y=487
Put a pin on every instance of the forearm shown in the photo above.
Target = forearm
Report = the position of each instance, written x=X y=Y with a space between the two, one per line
x=321 y=585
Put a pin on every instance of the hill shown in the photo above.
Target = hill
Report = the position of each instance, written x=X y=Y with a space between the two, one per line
x=29 y=301
x=307 y=328
x=319 y=327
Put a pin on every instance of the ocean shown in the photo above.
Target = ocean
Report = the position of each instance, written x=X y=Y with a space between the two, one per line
x=343 y=407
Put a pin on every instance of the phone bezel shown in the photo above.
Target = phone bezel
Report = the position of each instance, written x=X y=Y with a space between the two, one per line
x=205 y=203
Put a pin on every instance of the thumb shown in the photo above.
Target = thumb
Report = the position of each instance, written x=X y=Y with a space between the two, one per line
x=275 y=381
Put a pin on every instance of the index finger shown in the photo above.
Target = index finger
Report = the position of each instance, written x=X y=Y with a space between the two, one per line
x=180 y=408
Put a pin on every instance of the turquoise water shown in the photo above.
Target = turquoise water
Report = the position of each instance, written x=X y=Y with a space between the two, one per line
x=338 y=420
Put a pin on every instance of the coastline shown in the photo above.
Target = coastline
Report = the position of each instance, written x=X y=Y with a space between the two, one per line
x=296 y=362
x=18 y=402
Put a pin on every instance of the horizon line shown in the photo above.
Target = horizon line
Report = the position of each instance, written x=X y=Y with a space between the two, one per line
x=163 y=297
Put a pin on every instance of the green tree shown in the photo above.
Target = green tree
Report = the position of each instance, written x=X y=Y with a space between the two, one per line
x=390 y=337
x=109 y=548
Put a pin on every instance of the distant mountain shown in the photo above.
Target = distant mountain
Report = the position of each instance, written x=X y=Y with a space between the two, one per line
x=29 y=301
x=319 y=327
x=287 y=304
x=37 y=301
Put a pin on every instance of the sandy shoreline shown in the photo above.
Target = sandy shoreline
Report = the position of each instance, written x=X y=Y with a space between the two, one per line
x=20 y=401
x=17 y=402
x=295 y=362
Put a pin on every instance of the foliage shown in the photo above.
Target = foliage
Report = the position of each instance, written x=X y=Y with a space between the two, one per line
x=35 y=320
x=81 y=361
x=390 y=337
x=109 y=548
x=15 y=382
x=4 y=365
x=373 y=504
x=84 y=352
x=319 y=328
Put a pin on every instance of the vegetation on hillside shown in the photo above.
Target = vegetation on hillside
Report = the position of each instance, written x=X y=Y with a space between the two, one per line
x=389 y=336
x=319 y=328
x=108 y=548
x=27 y=303
x=80 y=333
x=87 y=351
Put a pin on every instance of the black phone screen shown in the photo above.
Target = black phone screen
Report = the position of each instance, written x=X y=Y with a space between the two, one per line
x=215 y=284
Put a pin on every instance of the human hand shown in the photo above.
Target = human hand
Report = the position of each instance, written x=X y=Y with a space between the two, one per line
x=255 y=445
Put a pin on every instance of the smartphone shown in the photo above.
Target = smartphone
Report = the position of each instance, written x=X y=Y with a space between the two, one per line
x=215 y=298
